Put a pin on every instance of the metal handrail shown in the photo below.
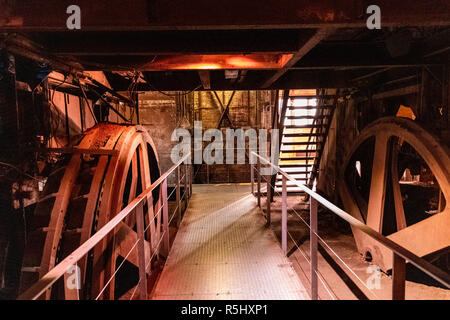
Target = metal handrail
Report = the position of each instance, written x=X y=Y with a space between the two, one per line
x=425 y=266
x=36 y=290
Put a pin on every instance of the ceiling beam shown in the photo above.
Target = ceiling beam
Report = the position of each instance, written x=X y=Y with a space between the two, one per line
x=320 y=35
x=200 y=14
x=144 y=43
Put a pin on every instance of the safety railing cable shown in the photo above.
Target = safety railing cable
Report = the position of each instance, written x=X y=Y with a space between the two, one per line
x=400 y=253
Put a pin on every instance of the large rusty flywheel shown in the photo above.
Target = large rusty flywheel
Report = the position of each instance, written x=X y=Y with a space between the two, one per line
x=396 y=179
x=106 y=169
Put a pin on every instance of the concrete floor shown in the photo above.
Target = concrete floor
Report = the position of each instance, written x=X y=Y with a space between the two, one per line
x=338 y=236
x=224 y=251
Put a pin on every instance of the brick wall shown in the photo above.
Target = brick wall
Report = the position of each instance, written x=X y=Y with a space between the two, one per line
x=161 y=114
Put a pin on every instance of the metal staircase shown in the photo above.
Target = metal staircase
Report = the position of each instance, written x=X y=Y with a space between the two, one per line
x=304 y=125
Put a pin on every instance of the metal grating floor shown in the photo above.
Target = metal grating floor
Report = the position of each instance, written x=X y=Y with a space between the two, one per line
x=223 y=251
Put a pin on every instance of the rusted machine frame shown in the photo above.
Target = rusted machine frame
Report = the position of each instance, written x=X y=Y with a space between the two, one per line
x=117 y=151
x=399 y=253
x=423 y=237
x=46 y=282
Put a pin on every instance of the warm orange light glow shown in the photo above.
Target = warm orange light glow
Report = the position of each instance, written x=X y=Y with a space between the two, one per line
x=218 y=61
x=199 y=66
x=244 y=62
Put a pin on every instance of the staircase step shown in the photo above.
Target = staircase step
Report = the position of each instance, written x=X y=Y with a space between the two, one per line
x=294 y=165
x=311 y=153
x=306 y=126
x=288 y=185
x=310 y=107
x=307 y=117
x=295 y=171
x=299 y=135
x=313 y=97
x=300 y=175
x=292 y=190
x=279 y=181
x=297 y=159
x=299 y=143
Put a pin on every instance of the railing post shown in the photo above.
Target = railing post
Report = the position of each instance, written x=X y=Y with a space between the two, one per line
x=269 y=189
x=186 y=191
x=178 y=196
x=141 y=251
x=165 y=224
x=398 y=278
x=258 y=174
x=191 y=169
x=284 y=216
x=313 y=247
x=252 y=173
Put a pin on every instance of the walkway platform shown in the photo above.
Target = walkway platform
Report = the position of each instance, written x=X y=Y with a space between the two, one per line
x=223 y=251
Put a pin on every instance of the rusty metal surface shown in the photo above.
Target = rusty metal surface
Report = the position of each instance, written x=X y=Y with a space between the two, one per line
x=90 y=190
x=224 y=251
x=422 y=238
x=200 y=14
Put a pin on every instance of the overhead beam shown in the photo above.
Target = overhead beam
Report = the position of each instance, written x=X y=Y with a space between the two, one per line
x=201 y=14
x=396 y=92
x=306 y=47
x=145 y=43
x=353 y=56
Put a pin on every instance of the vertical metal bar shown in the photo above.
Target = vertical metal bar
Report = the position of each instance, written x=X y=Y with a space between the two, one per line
x=137 y=108
x=313 y=247
x=178 y=213
x=258 y=174
x=268 y=202
x=165 y=224
x=67 y=117
x=191 y=169
x=186 y=185
x=398 y=278
x=80 y=101
x=284 y=216
x=141 y=251
x=252 y=173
